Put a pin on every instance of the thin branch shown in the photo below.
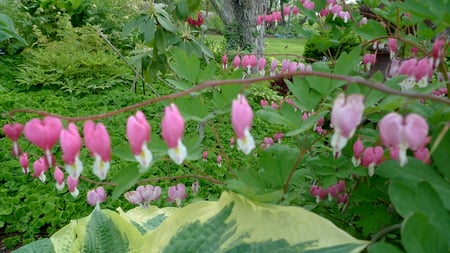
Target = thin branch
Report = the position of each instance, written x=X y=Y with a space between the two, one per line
x=385 y=231
x=293 y=169
x=206 y=178
x=156 y=179
x=125 y=60
x=357 y=80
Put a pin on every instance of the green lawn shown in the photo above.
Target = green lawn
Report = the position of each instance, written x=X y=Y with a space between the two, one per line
x=275 y=45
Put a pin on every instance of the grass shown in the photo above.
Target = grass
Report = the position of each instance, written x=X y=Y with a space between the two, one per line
x=275 y=45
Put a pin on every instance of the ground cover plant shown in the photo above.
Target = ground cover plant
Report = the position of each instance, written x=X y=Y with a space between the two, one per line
x=346 y=155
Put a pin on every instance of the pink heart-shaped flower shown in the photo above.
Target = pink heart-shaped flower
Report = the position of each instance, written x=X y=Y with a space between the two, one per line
x=43 y=133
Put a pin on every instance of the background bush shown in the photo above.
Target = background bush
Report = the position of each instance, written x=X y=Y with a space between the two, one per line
x=79 y=62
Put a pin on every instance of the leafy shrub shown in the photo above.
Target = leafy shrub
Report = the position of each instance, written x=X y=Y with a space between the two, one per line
x=79 y=63
x=317 y=47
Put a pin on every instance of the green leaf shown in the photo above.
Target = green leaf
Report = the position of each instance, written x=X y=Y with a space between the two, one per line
x=182 y=9
x=307 y=124
x=125 y=179
x=234 y=222
x=276 y=163
x=147 y=28
x=346 y=63
x=193 y=147
x=7 y=30
x=270 y=115
x=440 y=154
x=193 y=108
x=419 y=235
x=224 y=96
x=102 y=235
x=39 y=246
x=307 y=98
x=320 y=84
x=371 y=30
x=163 y=18
x=180 y=84
x=124 y=152
x=187 y=67
x=416 y=171
x=382 y=247
x=207 y=73
x=160 y=40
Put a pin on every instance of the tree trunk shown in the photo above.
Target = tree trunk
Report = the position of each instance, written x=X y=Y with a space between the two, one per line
x=243 y=13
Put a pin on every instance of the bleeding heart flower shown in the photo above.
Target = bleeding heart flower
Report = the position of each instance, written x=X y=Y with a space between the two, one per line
x=40 y=167
x=177 y=194
x=44 y=134
x=96 y=196
x=401 y=133
x=358 y=149
x=241 y=119
x=371 y=158
x=148 y=193
x=72 y=184
x=70 y=141
x=97 y=140
x=13 y=132
x=58 y=175
x=23 y=159
x=346 y=115
x=172 y=126
x=138 y=134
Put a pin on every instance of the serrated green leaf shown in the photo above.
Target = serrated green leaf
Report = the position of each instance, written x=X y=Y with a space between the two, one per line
x=224 y=96
x=320 y=84
x=186 y=66
x=193 y=108
x=125 y=179
x=124 y=152
x=307 y=124
x=270 y=115
x=307 y=98
x=347 y=63
x=371 y=30
x=180 y=84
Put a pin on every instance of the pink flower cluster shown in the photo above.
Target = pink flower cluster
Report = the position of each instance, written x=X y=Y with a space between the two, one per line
x=143 y=195
x=335 y=9
x=336 y=191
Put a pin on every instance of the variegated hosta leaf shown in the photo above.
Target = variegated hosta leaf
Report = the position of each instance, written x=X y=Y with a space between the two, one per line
x=236 y=224
x=147 y=219
x=101 y=231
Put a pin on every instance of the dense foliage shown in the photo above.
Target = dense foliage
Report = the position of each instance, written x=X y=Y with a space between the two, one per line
x=326 y=143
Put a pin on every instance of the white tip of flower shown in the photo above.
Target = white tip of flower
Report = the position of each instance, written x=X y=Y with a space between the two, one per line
x=371 y=170
x=179 y=153
x=75 y=169
x=338 y=142
x=75 y=193
x=247 y=144
x=144 y=159
x=60 y=187
x=42 y=177
x=402 y=157
x=101 y=168
x=356 y=162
